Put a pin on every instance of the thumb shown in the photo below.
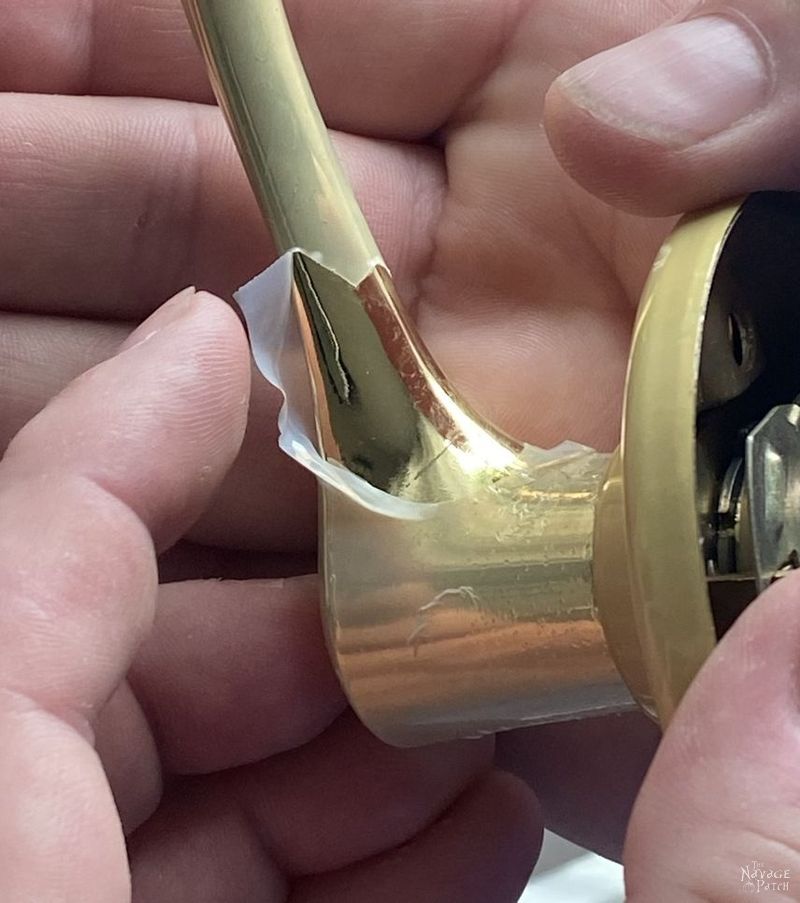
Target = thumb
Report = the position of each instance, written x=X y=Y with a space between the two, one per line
x=718 y=812
x=698 y=110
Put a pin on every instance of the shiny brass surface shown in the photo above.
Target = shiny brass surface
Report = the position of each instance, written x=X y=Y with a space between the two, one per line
x=263 y=90
x=492 y=585
x=669 y=604
x=477 y=619
x=384 y=410
x=613 y=594
x=713 y=354
x=478 y=613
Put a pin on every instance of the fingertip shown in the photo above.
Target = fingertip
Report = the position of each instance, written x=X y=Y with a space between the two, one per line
x=159 y=423
x=510 y=796
x=756 y=661
x=724 y=783
x=631 y=173
x=194 y=309
x=219 y=324
x=201 y=336
x=690 y=114
x=170 y=311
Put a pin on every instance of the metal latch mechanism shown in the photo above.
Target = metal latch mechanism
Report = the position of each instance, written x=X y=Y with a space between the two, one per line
x=493 y=585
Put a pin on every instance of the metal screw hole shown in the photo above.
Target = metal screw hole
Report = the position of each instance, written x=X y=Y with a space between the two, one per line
x=737 y=339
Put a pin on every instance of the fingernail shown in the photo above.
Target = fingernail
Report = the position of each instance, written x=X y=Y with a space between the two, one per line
x=168 y=313
x=678 y=84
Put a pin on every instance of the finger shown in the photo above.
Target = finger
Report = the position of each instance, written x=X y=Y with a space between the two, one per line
x=700 y=110
x=129 y=199
x=265 y=502
x=128 y=752
x=231 y=673
x=76 y=472
x=341 y=798
x=586 y=774
x=123 y=459
x=723 y=789
x=484 y=848
x=40 y=356
x=347 y=795
x=394 y=83
x=235 y=672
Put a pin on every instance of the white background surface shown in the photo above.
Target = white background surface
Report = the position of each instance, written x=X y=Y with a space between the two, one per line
x=568 y=874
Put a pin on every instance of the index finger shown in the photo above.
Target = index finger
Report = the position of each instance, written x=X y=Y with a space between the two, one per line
x=120 y=463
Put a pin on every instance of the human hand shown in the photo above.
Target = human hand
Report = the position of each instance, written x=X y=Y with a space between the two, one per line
x=127 y=200
x=200 y=721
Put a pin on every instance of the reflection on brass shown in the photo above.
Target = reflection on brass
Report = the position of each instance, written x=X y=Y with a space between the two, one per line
x=527 y=586
x=384 y=410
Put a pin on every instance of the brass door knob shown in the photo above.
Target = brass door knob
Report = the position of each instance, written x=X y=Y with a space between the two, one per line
x=485 y=585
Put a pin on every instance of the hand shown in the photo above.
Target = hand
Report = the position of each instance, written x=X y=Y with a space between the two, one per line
x=201 y=719
x=112 y=203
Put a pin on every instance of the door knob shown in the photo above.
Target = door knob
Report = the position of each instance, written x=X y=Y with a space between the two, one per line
x=472 y=583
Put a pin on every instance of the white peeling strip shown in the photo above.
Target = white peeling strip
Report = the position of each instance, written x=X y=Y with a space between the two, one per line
x=266 y=303
x=278 y=350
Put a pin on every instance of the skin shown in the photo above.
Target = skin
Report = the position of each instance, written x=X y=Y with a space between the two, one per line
x=198 y=722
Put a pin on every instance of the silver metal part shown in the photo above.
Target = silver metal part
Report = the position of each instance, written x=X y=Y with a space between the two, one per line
x=729 y=510
x=772 y=490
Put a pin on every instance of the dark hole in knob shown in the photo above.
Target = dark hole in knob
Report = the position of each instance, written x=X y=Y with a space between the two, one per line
x=737 y=339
